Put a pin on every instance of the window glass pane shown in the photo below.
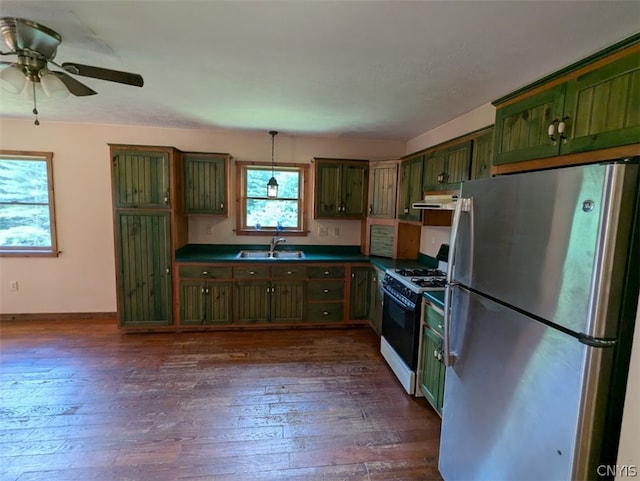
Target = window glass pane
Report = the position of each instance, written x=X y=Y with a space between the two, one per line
x=24 y=181
x=268 y=212
x=24 y=226
x=287 y=183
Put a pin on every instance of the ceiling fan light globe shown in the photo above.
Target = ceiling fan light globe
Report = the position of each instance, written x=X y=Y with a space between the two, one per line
x=53 y=87
x=12 y=79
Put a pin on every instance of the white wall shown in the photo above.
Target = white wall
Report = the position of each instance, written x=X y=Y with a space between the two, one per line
x=484 y=116
x=82 y=278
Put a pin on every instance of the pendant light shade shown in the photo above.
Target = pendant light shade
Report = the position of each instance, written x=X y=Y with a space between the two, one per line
x=272 y=185
x=12 y=79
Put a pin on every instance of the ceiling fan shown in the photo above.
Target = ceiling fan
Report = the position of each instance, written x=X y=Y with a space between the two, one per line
x=35 y=47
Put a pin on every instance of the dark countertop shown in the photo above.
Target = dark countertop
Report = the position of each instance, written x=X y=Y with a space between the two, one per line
x=435 y=297
x=312 y=253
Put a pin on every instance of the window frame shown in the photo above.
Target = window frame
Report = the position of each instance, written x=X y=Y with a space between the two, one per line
x=33 y=251
x=241 y=203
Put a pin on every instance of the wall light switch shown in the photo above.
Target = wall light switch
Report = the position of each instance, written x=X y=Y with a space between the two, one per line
x=323 y=231
x=336 y=231
x=13 y=285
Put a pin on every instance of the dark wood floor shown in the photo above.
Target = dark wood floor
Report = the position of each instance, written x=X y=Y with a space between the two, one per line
x=80 y=401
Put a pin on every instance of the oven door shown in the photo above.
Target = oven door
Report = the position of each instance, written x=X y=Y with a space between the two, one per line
x=401 y=328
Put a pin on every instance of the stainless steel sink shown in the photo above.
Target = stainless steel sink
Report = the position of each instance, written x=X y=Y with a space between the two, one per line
x=270 y=255
x=287 y=254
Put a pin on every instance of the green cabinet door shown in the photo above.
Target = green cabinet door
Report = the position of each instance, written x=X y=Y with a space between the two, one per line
x=376 y=296
x=359 y=300
x=252 y=301
x=410 y=188
x=140 y=179
x=328 y=201
x=354 y=190
x=602 y=108
x=432 y=370
x=382 y=191
x=143 y=258
x=205 y=187
x=288 y=301
x=341 y=189
x=192 y=303
x=522 y=128
x=482 y=156
x=434 y=165
x=444 y=169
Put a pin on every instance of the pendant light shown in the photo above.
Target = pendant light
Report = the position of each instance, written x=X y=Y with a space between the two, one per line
x=272 y=185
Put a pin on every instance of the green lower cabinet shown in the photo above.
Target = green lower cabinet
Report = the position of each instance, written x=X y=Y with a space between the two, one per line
x=205 y=303
x=270 y=301
x=143 y=258
x=360 y=293
x=287 y=301
x=432 y=369
x=376 y=296
x=325 y=311
x=252 y=301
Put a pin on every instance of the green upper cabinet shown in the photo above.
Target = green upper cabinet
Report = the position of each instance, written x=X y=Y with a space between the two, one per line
x=482 y=156
x=143 y=262
x=410 y=189
x=205 y=184
x=382 y=190
x=597 y=109
x=140 y=179
x=444 y=169
x=341 y=189
x=602 y=108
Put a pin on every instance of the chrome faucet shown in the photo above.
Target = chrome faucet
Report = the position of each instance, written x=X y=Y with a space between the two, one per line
x=275 y=241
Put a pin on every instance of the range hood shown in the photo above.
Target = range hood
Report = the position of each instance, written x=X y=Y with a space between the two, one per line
x=437 y=202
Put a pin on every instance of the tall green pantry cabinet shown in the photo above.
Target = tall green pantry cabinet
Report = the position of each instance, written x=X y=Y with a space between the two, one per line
x=147 y=230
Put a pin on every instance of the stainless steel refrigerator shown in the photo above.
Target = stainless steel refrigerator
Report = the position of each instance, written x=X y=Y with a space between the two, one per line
x=539 y=316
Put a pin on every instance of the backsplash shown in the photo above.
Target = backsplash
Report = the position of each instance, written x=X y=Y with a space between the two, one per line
x=432 y=237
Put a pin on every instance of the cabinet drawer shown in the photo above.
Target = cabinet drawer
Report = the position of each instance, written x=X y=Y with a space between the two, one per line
x=326 y=290
x=289 y=272
x=251 y=272
x=326 y=272
x=381 y=240
x=325 y=312
x=434 y=318
x=204 y=271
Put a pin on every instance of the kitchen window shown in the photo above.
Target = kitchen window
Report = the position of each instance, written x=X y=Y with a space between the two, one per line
x=27 y=217
x=258 y=214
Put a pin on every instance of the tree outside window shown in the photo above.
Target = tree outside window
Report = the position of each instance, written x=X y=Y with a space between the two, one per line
x=27 y=221
x=260 y=214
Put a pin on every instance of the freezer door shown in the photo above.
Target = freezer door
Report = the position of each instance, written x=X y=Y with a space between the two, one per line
x=520 y=401
x=551 y=243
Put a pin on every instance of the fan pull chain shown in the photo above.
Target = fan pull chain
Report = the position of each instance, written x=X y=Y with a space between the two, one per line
x=35 y=106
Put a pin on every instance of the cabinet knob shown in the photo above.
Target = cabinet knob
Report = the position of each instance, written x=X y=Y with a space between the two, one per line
x=289 y=273
x=325 y=313
x=551 y=131
x=205 y=273
x=406 y=210
x=326 y=291
x=251 y=273
x=326 y=273
x=562 y=129
x=221 y=206
x=442 y=177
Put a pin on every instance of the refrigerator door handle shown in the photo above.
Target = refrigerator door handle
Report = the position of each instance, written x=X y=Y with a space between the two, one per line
x=449 y=358
x=465 y=205
x=462 y=205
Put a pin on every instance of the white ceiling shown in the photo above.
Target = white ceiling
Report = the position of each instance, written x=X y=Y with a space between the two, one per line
x=377 y=69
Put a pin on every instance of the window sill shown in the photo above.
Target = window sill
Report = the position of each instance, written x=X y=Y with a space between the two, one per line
x=268 y=232
x=28 y=253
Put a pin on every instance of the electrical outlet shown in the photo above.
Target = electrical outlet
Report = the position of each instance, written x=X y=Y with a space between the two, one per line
x=13 y=285
x=210 y=230
x=336 y=231
x=323 y=231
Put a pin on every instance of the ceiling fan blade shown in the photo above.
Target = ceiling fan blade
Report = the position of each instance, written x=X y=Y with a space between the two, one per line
x=76 y=88
x=104 y=74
